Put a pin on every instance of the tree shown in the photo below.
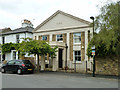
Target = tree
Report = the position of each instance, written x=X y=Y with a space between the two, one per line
x=107 y=41
x=36 y=47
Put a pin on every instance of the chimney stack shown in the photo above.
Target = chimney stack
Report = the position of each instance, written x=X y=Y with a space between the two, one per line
x=27 y=23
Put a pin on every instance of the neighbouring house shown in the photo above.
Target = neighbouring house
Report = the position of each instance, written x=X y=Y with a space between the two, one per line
x=62 y=29
x=15 y=36
x=3 y=31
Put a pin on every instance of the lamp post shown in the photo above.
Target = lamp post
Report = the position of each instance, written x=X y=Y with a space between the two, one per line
x=93 y=49
x=66 y=58
x=93 y=23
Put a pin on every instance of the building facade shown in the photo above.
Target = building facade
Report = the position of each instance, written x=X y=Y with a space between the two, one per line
x=62 y=29
x=15 y=36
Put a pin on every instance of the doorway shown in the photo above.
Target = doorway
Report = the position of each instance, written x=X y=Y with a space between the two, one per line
x=60 y=63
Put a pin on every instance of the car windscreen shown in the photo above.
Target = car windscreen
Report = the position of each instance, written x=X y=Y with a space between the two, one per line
x=26 y=62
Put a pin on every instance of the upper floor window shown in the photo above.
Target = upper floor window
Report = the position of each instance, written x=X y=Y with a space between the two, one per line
x=3 y=40
x=77 y=38
x=17 y=38
x=59 y=37
x=44 y=37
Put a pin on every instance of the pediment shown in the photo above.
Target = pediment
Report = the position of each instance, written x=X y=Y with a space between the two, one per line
x=61 y=20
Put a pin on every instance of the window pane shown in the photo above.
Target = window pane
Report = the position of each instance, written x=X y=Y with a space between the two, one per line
x=79 y=58
x=75 y=52
x=44 y=37
x=78 y=52
x=77 y=55
x=76 y=58
x=76 y=40
x=60 y=37
x=77 y=37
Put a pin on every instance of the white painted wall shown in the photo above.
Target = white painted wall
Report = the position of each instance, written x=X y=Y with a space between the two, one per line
x=12 y=38
x=61 y=21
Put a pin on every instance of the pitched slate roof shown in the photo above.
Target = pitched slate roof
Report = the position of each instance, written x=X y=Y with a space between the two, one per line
x=5 y=30
x=61 y=12
x=19 y=30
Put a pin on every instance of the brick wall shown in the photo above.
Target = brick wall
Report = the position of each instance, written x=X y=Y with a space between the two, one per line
x=82 y=44
x=64 y=38
x=40 y=38
x=71 y=46
x=54 y=37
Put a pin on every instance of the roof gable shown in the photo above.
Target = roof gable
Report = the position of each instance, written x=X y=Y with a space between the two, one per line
x=61 y=20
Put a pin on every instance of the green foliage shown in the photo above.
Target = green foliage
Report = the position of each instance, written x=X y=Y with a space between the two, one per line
x=36 y=47
x=7 y=47
x=0 y=47
x=107 y=41
x=89 y=50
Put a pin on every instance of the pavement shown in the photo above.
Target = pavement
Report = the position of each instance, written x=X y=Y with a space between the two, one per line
x=78 y=74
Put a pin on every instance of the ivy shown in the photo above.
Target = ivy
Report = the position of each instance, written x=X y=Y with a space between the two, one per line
x=7 y=47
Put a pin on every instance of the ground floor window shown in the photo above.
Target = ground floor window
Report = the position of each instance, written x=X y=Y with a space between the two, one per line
x=14 y=55
x=77 y=55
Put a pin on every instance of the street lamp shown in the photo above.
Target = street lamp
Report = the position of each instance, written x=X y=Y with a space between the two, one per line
x=93 y=49
x=93 y=23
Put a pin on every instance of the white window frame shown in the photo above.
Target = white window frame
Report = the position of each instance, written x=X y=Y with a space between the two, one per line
x=75 y=37
x=17 y=39
x=44 y=36
x=74 y=56
x=12 y=54
x=57 y=37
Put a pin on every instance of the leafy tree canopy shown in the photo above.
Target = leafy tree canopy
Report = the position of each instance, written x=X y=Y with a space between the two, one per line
x=107 y=41
x=36 y=47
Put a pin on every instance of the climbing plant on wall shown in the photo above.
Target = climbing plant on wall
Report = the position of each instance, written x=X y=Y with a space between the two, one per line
x=7 y=47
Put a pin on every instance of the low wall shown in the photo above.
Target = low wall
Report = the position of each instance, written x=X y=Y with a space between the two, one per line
x=107 y=65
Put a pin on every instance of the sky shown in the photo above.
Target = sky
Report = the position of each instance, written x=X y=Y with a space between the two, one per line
x=13 y=12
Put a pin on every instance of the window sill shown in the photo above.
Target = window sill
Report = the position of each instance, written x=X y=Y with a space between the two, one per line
x=59 y=41
x=77 y=62
x=76 y=43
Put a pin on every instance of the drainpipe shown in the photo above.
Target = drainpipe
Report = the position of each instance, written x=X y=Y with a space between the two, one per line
x=66 y=58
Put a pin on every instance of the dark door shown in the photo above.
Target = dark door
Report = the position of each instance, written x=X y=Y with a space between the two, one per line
x=60 y=58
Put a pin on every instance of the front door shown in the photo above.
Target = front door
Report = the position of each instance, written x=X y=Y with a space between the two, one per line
x=60 y=63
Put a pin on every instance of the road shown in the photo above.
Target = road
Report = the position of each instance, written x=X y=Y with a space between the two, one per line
x=55 y=80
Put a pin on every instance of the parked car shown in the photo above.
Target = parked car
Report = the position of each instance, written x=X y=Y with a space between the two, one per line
x=18 y=66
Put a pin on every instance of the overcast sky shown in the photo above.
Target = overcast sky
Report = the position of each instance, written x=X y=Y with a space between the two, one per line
x=12 y=12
